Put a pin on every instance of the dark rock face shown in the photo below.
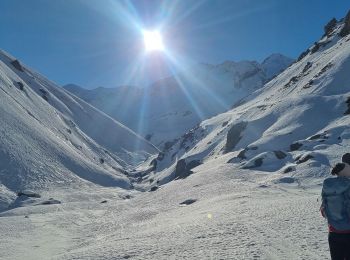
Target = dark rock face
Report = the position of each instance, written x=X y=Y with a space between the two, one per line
x=188 y=202
x=303 y=54
x=346 y=158
x=304 y=159
x=17 y=65
x=148 y=137
x=241 y=154
x=154 y=188
x=315 y=48
x=307 y=67
x=279 y=154
x=50 y=201
x=234 y=135
x=20 y=85
x=329 y=27
x=29 y=194
x=346 y=29
x=154 y=163
x=183 y=169
x=193 y=164
x=288 y=169
x=295 y=146
x=347 y=112
x=257 y=163
x=44 y=94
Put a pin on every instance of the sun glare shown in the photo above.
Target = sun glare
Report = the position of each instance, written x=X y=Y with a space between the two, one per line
x=153 y=41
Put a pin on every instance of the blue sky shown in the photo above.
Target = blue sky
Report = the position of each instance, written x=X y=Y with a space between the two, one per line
x=99 y=42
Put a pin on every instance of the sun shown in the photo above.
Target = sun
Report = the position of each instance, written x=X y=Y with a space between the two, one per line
x=153 y=40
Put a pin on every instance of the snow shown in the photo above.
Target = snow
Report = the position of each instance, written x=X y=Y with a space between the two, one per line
x=59 y=141
x=255 y=199
x=234 y=217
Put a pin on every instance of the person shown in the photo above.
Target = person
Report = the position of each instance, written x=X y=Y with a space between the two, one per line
x=336 y=208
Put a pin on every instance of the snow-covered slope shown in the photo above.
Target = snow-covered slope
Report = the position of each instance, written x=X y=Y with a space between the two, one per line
x=49 y=137
x=173 y=105
x=275 y=64
x=297 y=125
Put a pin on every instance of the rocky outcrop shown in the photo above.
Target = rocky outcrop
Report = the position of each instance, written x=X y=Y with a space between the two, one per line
x=295 y=146
x=234 y=135
x=183 y=169
x=17 y=65
x=329 y=27
x=188 y=202
x=346 y=28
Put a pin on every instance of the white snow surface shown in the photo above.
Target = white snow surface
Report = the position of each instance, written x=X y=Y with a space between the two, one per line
x=238 y=214
x=49 y=137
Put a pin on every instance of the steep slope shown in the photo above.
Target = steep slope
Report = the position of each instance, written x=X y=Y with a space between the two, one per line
x=50 y=138
x=174 y=105
x=295 y=127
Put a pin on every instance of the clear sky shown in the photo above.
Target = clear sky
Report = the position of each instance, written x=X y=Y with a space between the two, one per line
x=99 y=42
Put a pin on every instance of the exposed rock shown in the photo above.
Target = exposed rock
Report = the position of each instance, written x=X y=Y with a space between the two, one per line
x=104 y=201
x=295 y=146
x=315 y=48
x=234 y=135
x=303 y=54
x=329 y=27
x=148 y=137
x=20 y=85
x=347 y=112
x=324 y=69
x=17 y=65
x=154 y=188
x=50 y=201
x=169 y=144
x=279 y=154
x=193 y=164
x=188 y=202
x=263 y=186
x=346 y=29
x=29 y=194
x=241 y=154
x=307 y=67
x=224 y=123
x=44 y=94
x=304 y=159
x=289 y=169
x=181 y=171
x=160 y=156
x=154 y=163
x=257 y=163
x=287 y=180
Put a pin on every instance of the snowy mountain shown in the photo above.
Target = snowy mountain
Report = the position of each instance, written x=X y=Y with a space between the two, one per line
x=275 y=64
x=49 y=137
x=295 y=127
x=173 y=105
x=247 y=180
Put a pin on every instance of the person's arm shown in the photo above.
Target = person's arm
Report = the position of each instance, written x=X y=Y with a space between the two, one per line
x=322 y=210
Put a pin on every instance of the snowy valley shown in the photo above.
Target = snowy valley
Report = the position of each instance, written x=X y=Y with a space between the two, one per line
x=237 y=177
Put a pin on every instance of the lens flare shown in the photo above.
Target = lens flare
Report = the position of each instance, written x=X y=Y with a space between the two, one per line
x=153 y=40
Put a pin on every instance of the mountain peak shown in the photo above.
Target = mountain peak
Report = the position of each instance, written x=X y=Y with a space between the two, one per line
x=275 y=64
